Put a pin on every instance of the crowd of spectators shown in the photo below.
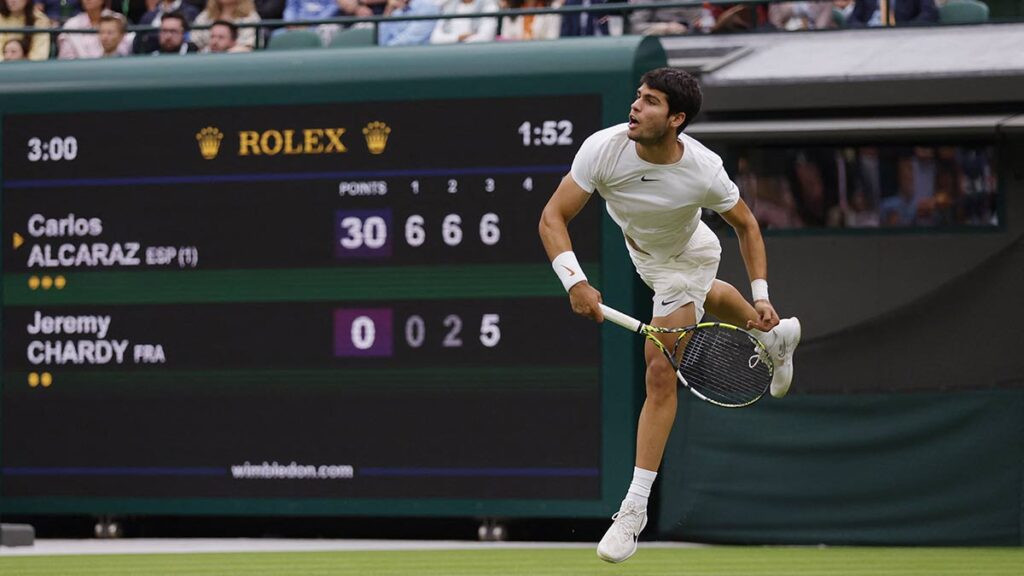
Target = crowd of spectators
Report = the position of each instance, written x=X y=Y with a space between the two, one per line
x=104 y=27
x=789 y=16
x=23 y=14
x=235 y=17
x=869 y=187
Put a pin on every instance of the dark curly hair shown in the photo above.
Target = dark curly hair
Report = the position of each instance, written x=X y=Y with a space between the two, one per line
x=680 y=87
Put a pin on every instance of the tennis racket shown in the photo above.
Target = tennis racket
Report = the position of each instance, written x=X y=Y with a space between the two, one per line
x=720 y=363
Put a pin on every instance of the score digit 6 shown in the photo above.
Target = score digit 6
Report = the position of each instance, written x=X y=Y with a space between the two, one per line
x=451 y=230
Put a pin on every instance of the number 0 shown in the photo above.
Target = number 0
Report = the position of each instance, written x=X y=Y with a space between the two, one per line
x=364 y=332
x=415 y=331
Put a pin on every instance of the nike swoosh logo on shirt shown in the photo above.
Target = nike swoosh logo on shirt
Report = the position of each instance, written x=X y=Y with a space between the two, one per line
x=644 y=178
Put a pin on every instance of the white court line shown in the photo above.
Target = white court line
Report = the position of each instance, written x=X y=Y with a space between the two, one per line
x=211 y=545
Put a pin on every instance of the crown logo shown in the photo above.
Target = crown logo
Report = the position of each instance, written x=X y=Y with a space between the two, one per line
x=376 y=136
x=209 y=142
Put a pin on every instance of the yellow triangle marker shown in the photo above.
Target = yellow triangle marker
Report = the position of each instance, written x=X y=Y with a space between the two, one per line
x=18 y=240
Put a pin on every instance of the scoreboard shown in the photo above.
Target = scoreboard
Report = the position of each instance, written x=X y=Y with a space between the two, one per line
x=302 y=307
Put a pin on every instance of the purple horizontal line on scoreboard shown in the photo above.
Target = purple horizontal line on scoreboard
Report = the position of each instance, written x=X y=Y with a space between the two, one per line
x=479 y=472
x=284 y=176
x=110 y=471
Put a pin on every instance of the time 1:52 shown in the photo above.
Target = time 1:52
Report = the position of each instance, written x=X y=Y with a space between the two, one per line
x=546 y=133
x=54 y=149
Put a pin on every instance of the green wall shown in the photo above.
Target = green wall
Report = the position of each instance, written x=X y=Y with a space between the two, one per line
x=911 y=469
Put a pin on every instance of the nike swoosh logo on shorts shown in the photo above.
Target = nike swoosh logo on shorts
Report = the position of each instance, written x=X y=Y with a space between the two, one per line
x=667 y=302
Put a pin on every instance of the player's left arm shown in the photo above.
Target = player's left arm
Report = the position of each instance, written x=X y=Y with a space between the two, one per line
x=754 y=257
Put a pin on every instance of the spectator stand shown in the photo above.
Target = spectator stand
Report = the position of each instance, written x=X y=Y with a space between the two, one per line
x=961 y=12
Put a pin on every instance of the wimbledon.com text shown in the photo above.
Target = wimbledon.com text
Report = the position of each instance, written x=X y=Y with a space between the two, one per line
x=292 y=471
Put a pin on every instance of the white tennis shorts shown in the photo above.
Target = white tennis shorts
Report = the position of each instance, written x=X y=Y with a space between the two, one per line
x=684 y=278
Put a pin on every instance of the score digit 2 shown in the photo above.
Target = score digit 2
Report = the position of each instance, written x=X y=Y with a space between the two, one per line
x=452 y=330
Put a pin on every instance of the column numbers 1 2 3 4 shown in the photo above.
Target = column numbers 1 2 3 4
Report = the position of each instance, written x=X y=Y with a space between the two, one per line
x=546 y=133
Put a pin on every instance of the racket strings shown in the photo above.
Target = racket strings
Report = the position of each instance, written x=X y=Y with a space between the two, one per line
x=724 y=365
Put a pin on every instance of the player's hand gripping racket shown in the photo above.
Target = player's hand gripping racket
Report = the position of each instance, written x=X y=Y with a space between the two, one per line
x=720 y=363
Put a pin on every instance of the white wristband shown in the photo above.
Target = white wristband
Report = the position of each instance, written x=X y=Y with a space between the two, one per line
x=759 y=289
x=568 y=269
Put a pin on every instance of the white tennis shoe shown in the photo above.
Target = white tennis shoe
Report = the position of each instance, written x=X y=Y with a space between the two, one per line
x=619 y=542
x=786 y=338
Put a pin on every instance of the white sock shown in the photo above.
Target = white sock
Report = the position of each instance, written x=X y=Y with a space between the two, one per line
x=640 y=488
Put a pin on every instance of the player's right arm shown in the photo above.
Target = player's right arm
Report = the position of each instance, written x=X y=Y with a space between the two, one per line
x=564 y=205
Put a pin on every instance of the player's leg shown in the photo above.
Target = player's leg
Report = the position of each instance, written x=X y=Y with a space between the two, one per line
x=726 y=303
x=659 y=410
x=656 y=420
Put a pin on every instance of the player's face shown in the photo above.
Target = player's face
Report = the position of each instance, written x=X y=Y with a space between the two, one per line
x=649 y=118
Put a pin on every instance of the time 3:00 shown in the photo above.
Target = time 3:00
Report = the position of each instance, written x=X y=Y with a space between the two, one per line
x=54 y=149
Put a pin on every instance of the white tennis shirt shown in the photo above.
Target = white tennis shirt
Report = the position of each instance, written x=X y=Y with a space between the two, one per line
x=656 y=205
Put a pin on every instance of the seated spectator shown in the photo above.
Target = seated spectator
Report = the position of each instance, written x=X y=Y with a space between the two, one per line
x=346 y=8
x=111 y=32
x=298 y=10
x=270 y=9
x=132 y=10
x=407 y=32
x=21 y=14
x=584 y=23
x=234 y=11
x=148 y=42
x=466 y=29
x=533 y=26
x=15 y=49
x=791 y=16
x=59 y=11
x=808 y=172
x=358 y=8
x=664 y=21
x=71 y=46
x=764 y=187
x=173 y=28
x=376 y=6
x=901 y=208
x=310 y=9
x=737 y=18
x=224 y=38
x=892 y=13
x=860 y=213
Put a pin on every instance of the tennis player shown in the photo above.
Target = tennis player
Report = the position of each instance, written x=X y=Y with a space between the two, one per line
x=655 y=180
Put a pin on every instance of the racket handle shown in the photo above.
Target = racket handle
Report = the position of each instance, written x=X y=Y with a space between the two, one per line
x=624 y=320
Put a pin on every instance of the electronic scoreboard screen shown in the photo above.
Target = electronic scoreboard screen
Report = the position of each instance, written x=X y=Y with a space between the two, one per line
x=332 y=301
